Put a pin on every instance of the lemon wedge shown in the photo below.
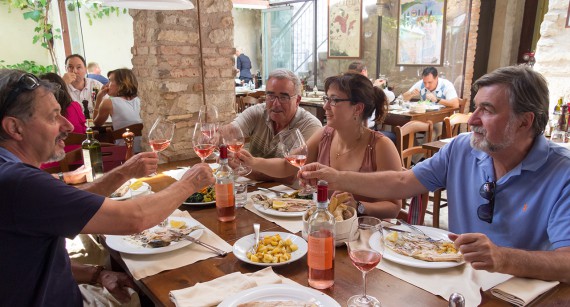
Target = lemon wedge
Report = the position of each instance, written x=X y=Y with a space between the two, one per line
x=177 y=224
x=136 y=185
x=279 y=204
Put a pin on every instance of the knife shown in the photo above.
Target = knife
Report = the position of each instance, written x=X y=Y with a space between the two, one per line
x=194 y=240
x=395 y=229
x=279 y=193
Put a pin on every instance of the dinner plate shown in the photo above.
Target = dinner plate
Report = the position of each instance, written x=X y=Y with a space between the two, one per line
x=125 y=245
x=273 y=212
x=245 y=243
x=280 y=292
x=130 y=193
x=199 y=204
x=391 y=255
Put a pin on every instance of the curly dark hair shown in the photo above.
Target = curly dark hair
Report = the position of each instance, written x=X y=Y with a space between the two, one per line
x=360 y=90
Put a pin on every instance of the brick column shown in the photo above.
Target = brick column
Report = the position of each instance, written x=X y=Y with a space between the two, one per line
x=183 y=60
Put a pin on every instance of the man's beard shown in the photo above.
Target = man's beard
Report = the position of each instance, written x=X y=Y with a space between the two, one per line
x=58 y=156
x=488 y=147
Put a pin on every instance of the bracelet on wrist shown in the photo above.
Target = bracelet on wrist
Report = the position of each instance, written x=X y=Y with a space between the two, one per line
x=98 y=270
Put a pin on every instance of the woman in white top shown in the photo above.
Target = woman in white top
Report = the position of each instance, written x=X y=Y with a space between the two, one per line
x=124 y=106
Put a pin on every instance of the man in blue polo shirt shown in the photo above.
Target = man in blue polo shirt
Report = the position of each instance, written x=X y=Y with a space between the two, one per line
x=508 y=187
x=38 y=211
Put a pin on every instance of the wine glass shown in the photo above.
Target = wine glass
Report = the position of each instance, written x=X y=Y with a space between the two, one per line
x=295 y=151
x=160 y=135
x=204 y=140
x=365 y=248
x=234 y=139
x=208 y=117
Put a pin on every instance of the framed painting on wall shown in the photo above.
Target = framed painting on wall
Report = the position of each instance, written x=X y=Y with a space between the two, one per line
x=344 y=29
x=421 y=32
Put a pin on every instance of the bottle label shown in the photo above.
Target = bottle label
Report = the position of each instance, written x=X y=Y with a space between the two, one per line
x=320 y=255
x=225 y=195
x=87 y=163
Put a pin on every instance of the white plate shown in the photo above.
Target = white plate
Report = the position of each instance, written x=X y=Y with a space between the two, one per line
x=280 y=292
x=273 y=212
x=200 y=204
x=435 y=107
x=122 y=244
x=245 y=243
x=391 y=255
x=130 y=193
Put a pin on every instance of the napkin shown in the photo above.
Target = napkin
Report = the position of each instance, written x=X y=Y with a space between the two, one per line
x=146 y=265
x=292 y=224
x=178 y=173
x=521 y=291
x=462 y=279
x=215 y=291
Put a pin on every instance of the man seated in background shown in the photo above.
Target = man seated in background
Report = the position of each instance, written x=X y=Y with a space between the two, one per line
x=265 y=122
x=94 y=72
x=507 y=185
x=81 y=89
x=38 y=211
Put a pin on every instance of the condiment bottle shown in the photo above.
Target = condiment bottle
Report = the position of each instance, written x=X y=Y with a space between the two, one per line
x=129 y=138
x=225 y=200
x=321 y=234
x=456 y=300
x=91 y=149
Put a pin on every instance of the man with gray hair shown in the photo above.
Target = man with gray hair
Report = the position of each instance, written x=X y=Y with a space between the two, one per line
x=243 y=64
x=279 y=115
x=508 y=186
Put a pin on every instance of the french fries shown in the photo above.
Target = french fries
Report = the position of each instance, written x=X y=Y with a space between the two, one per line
x=273 y=249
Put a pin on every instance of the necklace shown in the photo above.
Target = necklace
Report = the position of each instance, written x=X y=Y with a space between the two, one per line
x=338 y=153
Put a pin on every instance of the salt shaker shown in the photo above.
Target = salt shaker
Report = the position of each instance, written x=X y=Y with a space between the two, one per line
x=129 y=137
x=456 y=300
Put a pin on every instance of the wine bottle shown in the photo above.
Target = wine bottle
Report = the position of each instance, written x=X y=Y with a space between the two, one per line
x=321 y=250
x=225 y=200
x=91 y=149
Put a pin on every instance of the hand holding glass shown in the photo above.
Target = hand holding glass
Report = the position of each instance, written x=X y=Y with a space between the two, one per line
x=161 y=134
x=208 y=117
x=364 y=255
x=204 y=142
x=295 y=151
x=234 y=138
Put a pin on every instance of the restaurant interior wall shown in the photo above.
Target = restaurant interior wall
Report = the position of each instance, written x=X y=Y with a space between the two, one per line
x=247 y=29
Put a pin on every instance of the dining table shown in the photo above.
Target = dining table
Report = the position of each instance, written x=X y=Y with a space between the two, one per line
x=390 y=290
x=400 y=117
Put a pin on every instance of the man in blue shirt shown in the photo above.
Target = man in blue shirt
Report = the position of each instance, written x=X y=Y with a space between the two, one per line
x=508 y=187
x=94 y=72
x=243 y=64
x=434 y=89
x=38 y=211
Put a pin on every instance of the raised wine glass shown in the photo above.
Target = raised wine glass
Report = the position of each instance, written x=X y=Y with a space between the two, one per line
x=365 y=249
x=204 y=143
x=161 y=134
x=234 y=139
x=295 y=151
x=208 y=117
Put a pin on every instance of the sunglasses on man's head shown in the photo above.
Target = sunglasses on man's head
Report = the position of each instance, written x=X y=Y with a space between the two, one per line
x=485 y=211
x=26 y=82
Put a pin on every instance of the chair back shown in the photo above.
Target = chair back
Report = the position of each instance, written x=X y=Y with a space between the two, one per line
x=406 y=140
x=260 y=95
x=246 y=102
x=75 y=138
x=462 y=103
x=414 y=209
x=112 y=155
x=452 y=124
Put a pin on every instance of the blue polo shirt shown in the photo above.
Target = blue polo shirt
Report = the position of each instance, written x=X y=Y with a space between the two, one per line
x=532 y=201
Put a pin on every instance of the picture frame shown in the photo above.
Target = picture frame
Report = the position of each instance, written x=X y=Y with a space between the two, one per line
x=344 y=30
x=568 y=16
x=421 y=32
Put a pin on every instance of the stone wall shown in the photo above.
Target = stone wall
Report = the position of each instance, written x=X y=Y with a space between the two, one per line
x=183 y=60
x=470 y=53
x=552 y=56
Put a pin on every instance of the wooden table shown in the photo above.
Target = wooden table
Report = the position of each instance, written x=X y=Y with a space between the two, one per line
x=400 y=119
x=390 y=290
x=434 y=146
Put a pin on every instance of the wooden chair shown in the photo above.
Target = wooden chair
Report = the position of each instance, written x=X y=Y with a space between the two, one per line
x=451 y=128
x=71 y=161
x=112 y=155
x=405 y=144
x=75 y=139
x=462 y=103
x=260 y=95
x=246 y=102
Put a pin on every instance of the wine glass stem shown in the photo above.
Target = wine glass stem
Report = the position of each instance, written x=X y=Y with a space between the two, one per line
x=364 y=282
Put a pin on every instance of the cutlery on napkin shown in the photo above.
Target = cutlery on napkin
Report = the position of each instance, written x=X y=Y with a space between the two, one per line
x=521 y=291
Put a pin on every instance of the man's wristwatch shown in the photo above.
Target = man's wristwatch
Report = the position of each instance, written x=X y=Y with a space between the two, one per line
x=360 y=208
x=437 y=100
x=60 y=175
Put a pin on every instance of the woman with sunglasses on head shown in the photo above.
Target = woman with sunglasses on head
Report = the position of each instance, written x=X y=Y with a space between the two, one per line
x=123 y=105
x=346 y=143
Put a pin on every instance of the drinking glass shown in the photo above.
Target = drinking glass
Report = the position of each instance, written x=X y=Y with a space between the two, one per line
x=295 y=151
x=365 y=249
x=234 y=139
x=160 y=135
x=204 y=142
x=208 y=116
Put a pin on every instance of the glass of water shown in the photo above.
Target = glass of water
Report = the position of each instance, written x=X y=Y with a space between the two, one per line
x=240 y=189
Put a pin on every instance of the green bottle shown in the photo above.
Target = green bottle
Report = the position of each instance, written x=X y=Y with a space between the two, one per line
x=91 y=149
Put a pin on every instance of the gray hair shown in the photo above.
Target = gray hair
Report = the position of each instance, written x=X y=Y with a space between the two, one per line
x=23 y=107
x=286 y=74
x=527 y=91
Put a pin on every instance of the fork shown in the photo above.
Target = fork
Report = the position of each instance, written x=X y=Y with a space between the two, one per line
x=417 y=230
x=253 y=249
x=276 y=192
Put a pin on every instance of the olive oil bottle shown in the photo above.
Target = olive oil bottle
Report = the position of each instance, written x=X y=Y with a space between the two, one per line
x=91 y=149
